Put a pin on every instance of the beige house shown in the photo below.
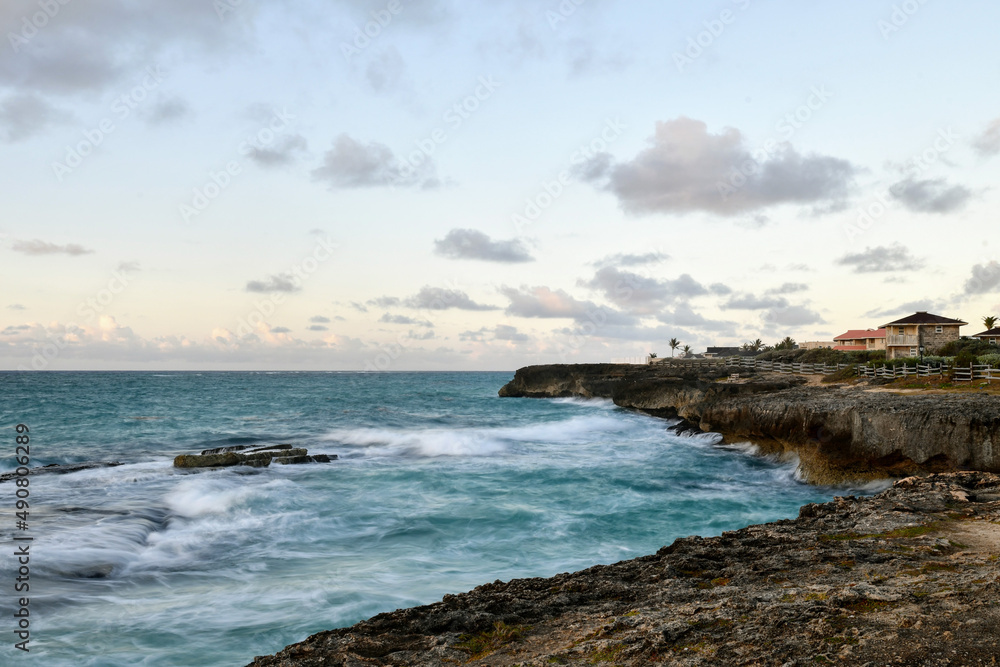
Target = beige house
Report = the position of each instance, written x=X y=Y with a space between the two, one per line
x=906 y=337
x=817 y=345
x=992 y=336
x=859 y=340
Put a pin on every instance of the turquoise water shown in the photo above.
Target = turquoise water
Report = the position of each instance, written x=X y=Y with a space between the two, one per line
x=441 y=486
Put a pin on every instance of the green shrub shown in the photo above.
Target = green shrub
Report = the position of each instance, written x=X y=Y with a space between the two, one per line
x=965 y=358
x=990 y=359
x=972 y=345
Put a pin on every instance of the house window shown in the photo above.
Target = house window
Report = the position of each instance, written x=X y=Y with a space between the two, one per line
x=938 y=329
x=913 y=351
x=900 y=331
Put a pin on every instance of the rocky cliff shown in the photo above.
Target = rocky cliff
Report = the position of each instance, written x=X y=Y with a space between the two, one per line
x=839 y=433
x=907 y=577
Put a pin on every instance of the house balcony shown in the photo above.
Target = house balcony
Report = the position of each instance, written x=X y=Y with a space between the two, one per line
x=910 y=341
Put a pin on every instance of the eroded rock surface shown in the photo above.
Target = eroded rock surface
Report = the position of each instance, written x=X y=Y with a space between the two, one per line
x=907 y=577
x=837 y=433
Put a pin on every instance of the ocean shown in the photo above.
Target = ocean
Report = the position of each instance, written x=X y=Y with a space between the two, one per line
x=440 y=486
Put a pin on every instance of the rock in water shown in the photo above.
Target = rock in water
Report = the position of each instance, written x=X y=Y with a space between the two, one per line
x=258 y=457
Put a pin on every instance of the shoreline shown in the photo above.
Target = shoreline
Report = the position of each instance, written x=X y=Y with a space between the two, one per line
x=908 y=576
x=839 y=434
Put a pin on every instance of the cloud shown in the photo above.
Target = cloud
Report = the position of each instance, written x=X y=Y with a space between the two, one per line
x=686 y=169
x=472 y=244
x=385 y=71
x=719 y=289
x=284 y=151
x=25 y=115
x=16 y=306
x=501 y=332
x=384 y=302
x=792 y=316
x=360 y=307
x=317 y=327
x=319 y=319
x=282 y=282
x=439 y=298
x=280 y=330
x=684 y=316
x=988 y=143
x=751 y=302
x=98 y=45
x=788 y=288
x=38 y=247
x=628 y=260
x=882 y=259
x=351 y=164
x=166 y=111
x=985 y=278
x=930 y=195
x=543 y=302
x=109 y=343
x=925 y=305
x=403 y=319
x=129 y=266
x=641 y=294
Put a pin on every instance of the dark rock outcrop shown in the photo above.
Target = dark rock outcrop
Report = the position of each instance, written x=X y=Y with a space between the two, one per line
x=837 y=433
x=909 y=577
x=244 y=455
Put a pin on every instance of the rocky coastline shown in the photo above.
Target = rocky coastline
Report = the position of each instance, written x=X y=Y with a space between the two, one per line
x=839 y=433
x=907 y=577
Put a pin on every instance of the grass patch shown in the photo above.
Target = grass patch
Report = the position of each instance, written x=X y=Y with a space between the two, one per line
x=937 y=567
x=487 y=642
x=608 y=654
x=898 y=533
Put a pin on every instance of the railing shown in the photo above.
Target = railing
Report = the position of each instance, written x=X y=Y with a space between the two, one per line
x=912 y=341
x=958 y=374
x=755 y=364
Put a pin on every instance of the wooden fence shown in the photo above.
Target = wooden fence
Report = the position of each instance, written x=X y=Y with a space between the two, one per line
x=958 y=374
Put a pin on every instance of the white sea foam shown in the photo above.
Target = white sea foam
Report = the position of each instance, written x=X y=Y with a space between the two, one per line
x=432 y=443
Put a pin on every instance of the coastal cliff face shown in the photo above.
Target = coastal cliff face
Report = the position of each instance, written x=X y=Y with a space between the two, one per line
x=909 y=576
x=838 y=433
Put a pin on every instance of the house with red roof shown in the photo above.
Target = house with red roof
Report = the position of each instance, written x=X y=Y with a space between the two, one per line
x=920 y=333
x=860 y=340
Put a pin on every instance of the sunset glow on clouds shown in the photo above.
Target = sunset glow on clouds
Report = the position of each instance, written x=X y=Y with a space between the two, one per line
x=355 y=184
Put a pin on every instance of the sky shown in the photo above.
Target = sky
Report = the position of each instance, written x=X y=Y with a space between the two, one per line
x=403 y=185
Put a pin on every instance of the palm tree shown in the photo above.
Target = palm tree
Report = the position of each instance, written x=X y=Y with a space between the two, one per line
x=787 y=344
x=674 y=344
x=757 y=345
x=990 y=322
x=686 y=350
